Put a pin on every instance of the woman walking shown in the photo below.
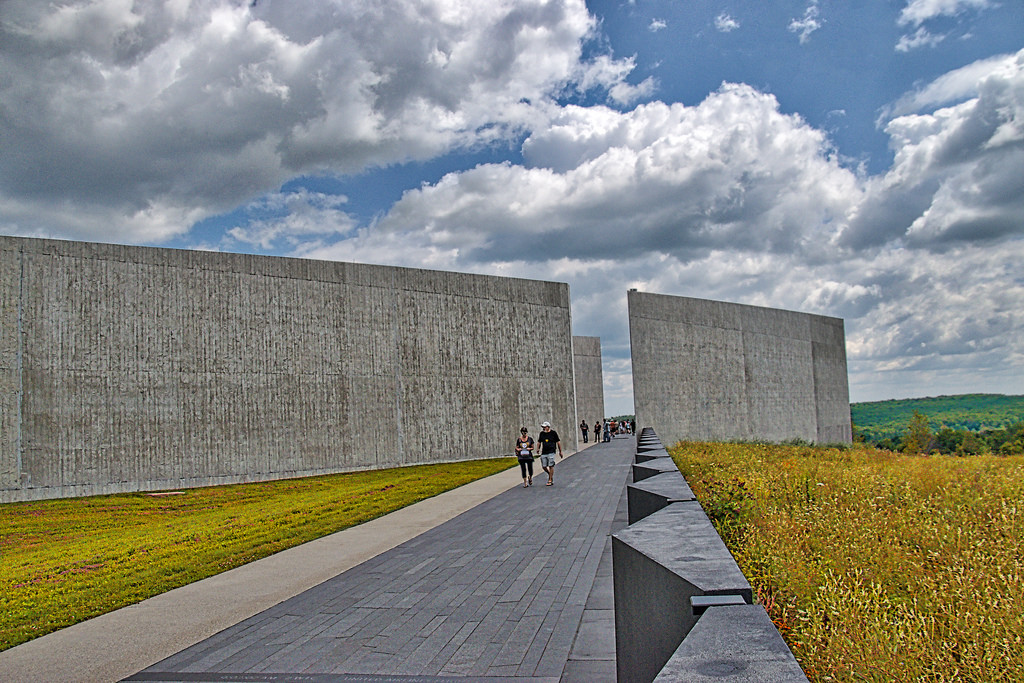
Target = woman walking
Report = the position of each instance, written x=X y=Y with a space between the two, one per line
x=524 y=451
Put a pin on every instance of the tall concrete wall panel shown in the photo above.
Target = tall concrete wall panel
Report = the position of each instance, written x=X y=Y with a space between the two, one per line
x=716 y=371
x=589 y=379
x=128 y=368
x=832 y=390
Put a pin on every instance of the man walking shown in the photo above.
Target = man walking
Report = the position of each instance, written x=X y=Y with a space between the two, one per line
x=584 y=428
x=549 y=443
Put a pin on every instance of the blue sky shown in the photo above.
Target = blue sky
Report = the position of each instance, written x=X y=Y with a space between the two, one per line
x=857 y=159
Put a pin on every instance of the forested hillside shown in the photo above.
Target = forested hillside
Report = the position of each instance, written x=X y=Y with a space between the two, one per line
x=879 y=420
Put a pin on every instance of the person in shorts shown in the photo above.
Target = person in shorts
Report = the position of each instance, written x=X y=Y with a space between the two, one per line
x=549 y=444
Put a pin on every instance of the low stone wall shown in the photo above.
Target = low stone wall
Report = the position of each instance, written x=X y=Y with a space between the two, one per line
x=683 y=609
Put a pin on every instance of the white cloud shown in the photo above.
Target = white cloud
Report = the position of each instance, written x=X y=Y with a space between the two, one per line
x=958 y=173
x=919 y=11
x=920 y=38
x=676 y=179
x=808 y=24
x=656 y=25
x=293 y=218
x=610 y=74
x=954 y=86
x=144 y=117
x=954 y=326
x=733 y=200
x=725 y=23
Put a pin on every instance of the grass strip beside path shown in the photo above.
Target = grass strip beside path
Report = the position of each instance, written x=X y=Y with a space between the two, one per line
x=876 y=566
x=68 y=560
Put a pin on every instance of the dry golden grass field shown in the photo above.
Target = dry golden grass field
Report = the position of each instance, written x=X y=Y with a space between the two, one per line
x=876 y=566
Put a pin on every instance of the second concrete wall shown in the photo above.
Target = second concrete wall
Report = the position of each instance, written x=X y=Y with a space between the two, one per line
x=128 y=368
x=589 y=379
x=714 y=371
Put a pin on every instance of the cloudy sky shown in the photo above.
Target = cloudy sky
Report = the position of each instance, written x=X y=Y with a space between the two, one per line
x=863 y=160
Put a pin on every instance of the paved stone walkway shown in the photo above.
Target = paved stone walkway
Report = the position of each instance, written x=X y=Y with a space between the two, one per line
x=516 y=589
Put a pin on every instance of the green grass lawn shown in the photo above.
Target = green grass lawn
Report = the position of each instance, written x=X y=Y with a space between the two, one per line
x=68 y=560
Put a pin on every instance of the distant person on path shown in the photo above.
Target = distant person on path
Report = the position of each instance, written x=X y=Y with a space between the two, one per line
x=597 y=431
x=607 y=431
x=549 y=443
x=584 y=428
x=524 y=451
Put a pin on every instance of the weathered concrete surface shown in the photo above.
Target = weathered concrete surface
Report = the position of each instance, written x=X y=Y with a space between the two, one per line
x=715 y=371
x=130 y=368
x=589 y=379
x=738 y=644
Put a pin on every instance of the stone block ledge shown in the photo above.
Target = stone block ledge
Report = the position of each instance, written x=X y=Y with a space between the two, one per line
x=650 y=468
x=737 y=643
x=651 y=455
x=683 y=608
x=659 y=564
x=647 y=496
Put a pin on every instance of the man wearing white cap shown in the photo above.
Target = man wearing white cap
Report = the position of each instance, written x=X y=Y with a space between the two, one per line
x=549 y=443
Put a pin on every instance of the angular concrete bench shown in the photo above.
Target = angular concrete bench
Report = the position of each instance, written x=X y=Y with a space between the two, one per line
x=651 y=455
x=645 y=497
x=659 y=565
x=650 y=468
x=737 y=643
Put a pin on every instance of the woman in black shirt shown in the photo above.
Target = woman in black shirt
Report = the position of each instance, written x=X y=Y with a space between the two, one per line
x=524 y=451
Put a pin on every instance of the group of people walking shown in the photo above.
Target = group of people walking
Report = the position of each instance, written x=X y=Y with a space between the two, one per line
x=548 y=444
x=609 y=427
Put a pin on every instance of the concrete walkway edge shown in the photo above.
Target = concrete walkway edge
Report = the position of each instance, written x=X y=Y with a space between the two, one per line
x=117 y=644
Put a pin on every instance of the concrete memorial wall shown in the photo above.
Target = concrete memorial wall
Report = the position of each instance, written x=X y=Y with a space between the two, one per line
x=131 y=368
x=589 y=379
x=714 y=371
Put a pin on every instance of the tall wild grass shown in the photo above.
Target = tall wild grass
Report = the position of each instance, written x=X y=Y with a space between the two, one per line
x=876 y=566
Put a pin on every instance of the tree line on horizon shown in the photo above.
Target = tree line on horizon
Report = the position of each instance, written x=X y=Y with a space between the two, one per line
x=966 y=424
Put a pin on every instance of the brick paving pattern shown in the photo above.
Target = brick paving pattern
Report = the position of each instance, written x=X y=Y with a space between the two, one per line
x=498 y=593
